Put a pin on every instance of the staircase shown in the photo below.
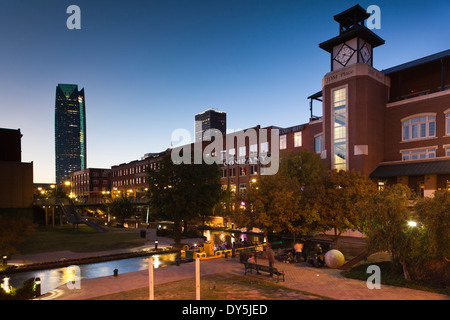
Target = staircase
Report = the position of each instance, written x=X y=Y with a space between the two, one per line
x=73 y=217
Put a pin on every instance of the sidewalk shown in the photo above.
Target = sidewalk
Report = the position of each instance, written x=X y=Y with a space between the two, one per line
x=67 y=255
x=324 y=281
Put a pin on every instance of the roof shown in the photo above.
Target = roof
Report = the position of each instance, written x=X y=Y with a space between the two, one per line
x=359 y=31
x=316 y=95
x=354 y=13
x=412 y=169
x=418 y=62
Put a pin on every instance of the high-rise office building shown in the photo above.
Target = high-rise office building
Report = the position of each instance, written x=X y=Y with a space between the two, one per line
x=209 y=119
x=70 y=131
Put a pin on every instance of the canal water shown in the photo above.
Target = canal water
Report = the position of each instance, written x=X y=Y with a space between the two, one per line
x=53 y=278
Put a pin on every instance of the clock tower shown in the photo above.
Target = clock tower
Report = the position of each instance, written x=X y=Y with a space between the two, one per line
x=354 y=97
x=355 y=42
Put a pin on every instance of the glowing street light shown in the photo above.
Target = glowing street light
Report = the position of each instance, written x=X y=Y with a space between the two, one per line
x=412 y=223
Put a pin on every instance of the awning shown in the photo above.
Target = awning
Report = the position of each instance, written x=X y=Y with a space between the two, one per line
x=412 y=169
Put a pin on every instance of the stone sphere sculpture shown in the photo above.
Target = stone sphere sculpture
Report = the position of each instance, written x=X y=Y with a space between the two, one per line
x=334 y=259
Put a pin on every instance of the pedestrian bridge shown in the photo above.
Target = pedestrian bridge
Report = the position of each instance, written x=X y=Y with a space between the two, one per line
x=68 y=209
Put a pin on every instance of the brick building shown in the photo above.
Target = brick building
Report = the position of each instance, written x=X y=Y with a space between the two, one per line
x=392 y=125
x=130 y=178
x=90 y=185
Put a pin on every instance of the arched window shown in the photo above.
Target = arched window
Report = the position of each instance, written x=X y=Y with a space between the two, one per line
x=418 y=127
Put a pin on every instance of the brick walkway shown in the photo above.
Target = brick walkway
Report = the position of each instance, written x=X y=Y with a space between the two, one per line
x=324 y=281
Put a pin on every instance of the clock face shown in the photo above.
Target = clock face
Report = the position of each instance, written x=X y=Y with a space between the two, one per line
x=365 y=53
x=344 y=55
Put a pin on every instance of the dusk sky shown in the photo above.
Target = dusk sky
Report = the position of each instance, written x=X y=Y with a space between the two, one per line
x=148 y=67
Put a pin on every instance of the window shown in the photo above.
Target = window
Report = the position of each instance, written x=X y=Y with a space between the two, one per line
x=242 y=187
x=253 y=150
x=283 y=142
x=419 y=128
x=224 y=173
x=264 y=147
x=232 y=153
x=318 y=144
x=242 y=171
x=419 y=154
x=223 y=155
x=447 y=124
x=242 y=151
x=297 y=139
x=340 y=129
x=447 y=151
x=253 y=169
x=232 y=172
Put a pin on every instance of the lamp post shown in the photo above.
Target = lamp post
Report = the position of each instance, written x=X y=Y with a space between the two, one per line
x=412 y=224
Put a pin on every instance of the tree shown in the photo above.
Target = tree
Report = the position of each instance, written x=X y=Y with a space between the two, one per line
x=13 y=231
x=180 y=192
x=338 y=199
x=121 y=207
x=385 y=223
x=433 y=218
x=276 y=203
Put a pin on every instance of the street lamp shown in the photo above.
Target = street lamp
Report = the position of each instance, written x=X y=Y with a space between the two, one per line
x=412 y=224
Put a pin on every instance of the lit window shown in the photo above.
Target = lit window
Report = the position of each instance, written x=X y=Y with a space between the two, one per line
x=297 y=139
x=283 y=142
x=340 y=129
x=419 y=154
x=419 y=128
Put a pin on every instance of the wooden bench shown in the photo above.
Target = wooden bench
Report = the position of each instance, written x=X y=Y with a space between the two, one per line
x=259 y=267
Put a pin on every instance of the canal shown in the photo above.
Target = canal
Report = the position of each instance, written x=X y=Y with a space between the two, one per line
x=56 y=277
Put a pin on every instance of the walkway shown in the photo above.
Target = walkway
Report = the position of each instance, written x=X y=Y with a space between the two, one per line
x=325 y=282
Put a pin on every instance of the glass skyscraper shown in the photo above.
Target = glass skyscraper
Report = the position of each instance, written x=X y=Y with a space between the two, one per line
x=70 y=131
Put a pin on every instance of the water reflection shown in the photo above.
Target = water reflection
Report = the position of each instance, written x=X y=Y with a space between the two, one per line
x=53 y=278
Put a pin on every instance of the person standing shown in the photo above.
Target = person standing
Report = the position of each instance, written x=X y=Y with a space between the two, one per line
x=298 y=247
x=270 y=256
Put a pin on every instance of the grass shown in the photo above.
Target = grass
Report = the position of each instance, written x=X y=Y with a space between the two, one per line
x=392 y=276
x=85 y=239
x=222 y=286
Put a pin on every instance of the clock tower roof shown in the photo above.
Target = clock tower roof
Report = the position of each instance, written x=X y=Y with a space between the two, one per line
x=351 y=25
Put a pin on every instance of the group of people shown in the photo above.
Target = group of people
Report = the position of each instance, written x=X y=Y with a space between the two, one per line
x=313 y=257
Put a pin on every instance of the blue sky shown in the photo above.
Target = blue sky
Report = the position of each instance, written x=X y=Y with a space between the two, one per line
x=148 y=67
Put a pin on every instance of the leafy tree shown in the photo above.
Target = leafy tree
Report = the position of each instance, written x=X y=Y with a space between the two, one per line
x=385 y=223
x=13 y=231
x=338 y=199
x=180 y=192
x=121 y=207
x=433 y=217
x=276 y=202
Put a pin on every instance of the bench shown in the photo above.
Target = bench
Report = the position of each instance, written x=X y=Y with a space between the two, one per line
x=259 y=267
